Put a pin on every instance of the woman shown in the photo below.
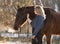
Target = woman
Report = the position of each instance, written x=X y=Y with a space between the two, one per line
x=37 y=24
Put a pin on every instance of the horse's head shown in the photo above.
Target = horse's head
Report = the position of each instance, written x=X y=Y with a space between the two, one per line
x=21 y=15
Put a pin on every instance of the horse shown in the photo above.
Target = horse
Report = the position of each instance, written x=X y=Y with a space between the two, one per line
x=51 y=23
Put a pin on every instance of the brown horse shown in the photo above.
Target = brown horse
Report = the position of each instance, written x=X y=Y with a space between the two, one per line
x=52 y=22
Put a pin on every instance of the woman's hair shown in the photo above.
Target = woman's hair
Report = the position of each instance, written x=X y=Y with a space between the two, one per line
x=41 y=11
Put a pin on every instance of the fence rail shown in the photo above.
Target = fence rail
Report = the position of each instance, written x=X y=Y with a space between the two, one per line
x=26 y=38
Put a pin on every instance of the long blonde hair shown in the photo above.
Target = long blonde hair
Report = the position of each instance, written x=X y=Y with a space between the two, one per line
x=41 y=11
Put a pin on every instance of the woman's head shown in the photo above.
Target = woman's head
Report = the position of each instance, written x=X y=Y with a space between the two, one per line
x=39 y=11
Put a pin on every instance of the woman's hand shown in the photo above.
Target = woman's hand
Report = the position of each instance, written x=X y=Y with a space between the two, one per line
x=33 y=37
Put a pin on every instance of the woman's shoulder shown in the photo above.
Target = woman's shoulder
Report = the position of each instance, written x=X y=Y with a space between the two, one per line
x=39 y=16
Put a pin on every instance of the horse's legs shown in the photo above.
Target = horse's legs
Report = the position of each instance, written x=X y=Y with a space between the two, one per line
x=48 y=38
